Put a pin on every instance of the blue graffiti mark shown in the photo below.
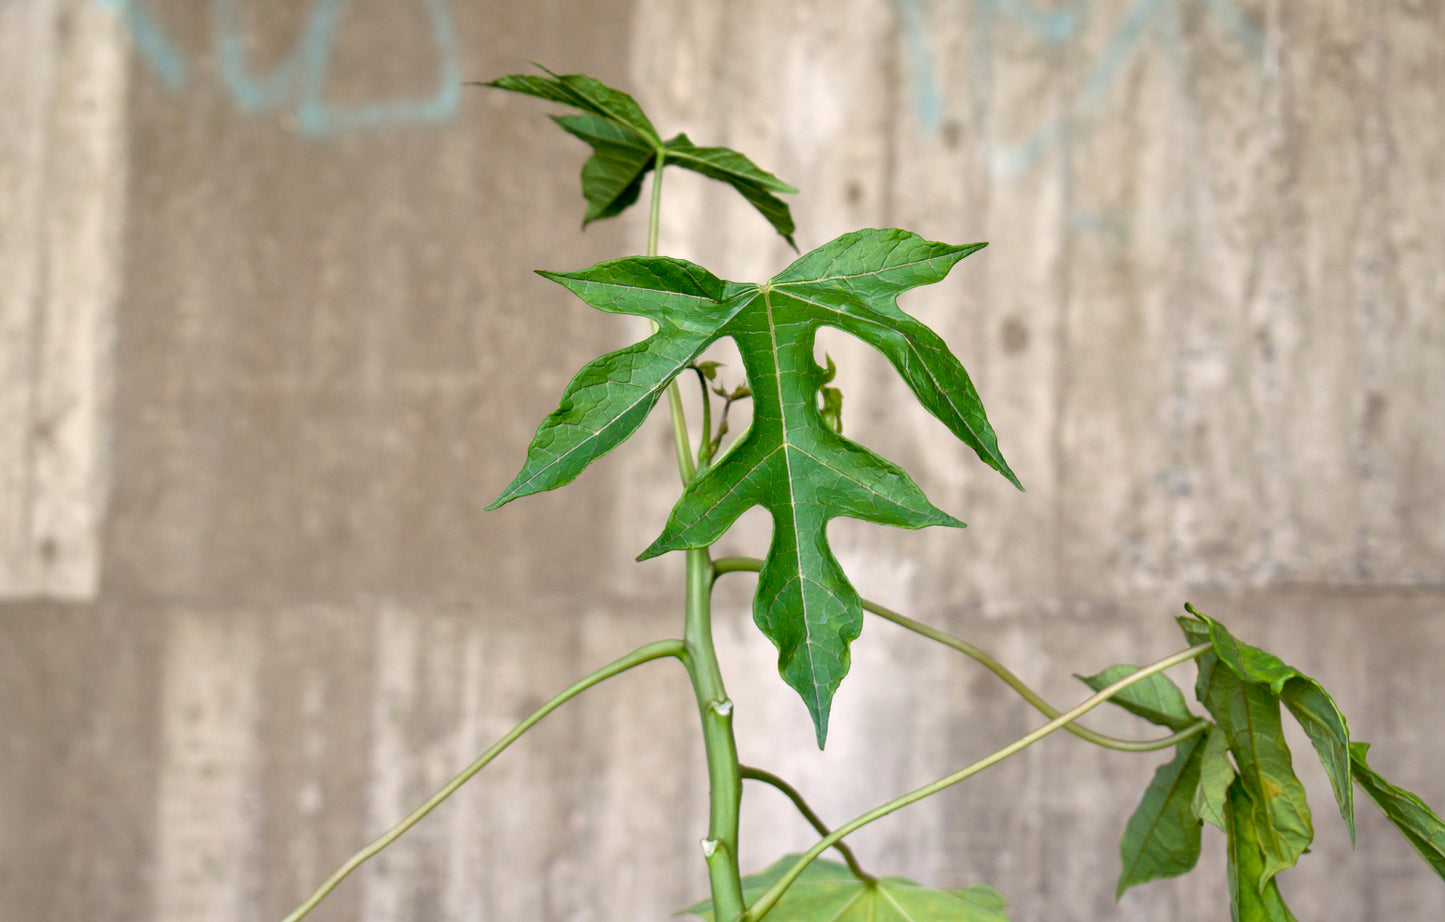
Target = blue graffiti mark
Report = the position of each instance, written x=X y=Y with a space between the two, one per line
x=1058 y=27
x=164 y=57
x=298 y=83
x=1053 y=26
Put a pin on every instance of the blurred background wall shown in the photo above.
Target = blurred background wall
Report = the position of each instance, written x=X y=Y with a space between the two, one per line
x=269 y=343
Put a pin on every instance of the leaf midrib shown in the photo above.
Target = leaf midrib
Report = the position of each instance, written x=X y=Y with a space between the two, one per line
x=767 y=294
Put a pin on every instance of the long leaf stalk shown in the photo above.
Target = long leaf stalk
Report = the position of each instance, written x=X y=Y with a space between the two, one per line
x=770 y=897
x=766 y=777
x=644 y=654
x=751 y=565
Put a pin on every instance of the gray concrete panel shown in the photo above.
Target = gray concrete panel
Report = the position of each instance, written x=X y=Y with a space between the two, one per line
x=256 y=611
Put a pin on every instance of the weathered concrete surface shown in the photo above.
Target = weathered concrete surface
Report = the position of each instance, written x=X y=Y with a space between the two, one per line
x=255 y=611
x=62 y=184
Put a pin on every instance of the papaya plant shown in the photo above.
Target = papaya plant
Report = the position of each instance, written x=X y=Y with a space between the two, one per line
x=1230 y=766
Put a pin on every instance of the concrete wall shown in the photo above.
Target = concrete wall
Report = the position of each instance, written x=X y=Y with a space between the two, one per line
x=269 y=343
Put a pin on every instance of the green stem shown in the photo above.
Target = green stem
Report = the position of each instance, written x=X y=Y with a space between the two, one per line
x=654 y=216
x=765 y=903
x=643 y=654
x=749 y=564
x=757 y=774
x=686 y=467
x=725 y=786
x=705 y=447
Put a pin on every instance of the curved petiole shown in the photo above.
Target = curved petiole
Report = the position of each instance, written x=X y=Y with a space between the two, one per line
x=770 y=897
x=750 y=565
x=793 y=794
x=646 y=653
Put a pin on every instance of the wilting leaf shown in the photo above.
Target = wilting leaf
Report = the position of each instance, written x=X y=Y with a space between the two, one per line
x=1325 y=726
x=828 y=891
x=1216 y=774
x=1306 y=699
x=788 y=461
x=1420 y=826
x=1155 y=698
x=1253 y=892
x=625 y=147
x=1248 y=713
x=1162 y=836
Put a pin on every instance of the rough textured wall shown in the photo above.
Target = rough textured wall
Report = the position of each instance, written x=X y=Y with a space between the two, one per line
x=270 y=342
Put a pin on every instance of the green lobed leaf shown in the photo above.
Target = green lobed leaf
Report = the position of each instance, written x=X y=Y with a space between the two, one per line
x=1156 y=698
x=789 y=461
x=1420 y=826
x=611 y=396
x=625 y=147
x=1306 y=699
x=1216 y=774
x=1162 y=835
x=827 y=890
x=1253 y=894
x=1249 y=715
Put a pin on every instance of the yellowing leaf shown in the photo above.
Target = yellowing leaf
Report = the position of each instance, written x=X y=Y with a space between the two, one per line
x=1253 y=893
x=1248 y=714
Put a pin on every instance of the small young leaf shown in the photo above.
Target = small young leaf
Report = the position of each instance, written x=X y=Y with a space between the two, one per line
x=625 y=147
x=1306 y=699
x=830 y=399
x=1420 y=826
x=1253 y=893
x=827 y=890
x=1162 y=836
x=1216 y=774
x=753 y=183
x=612 y=176
x=582 y=92
x=1249 y=716
x=1156 y=698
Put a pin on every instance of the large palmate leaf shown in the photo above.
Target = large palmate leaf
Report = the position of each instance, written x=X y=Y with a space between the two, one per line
x=788 y=461
x=625 y=146
x=827 y=890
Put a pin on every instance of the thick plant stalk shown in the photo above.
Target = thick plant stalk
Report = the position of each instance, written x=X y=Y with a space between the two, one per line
x=725 y=786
